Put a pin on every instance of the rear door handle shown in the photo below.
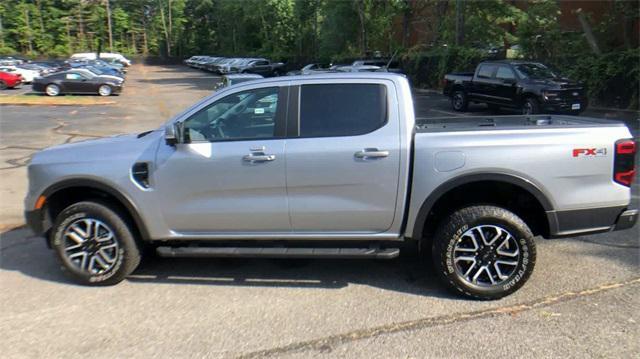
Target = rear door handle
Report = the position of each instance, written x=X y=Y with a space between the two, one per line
x=371 y=153
x=258 y=158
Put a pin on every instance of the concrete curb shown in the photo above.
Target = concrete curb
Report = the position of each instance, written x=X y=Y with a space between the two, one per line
x=56 y=104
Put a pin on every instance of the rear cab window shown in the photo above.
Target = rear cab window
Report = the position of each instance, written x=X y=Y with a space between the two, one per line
x=351 y=109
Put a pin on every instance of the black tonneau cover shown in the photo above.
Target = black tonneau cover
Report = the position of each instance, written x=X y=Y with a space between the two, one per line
x=478 y=123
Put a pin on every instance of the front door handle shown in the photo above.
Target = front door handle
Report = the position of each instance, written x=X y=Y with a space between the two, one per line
x=371 y=153
x=258 y=158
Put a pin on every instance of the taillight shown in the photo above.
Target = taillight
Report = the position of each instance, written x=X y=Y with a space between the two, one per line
x=624 y=165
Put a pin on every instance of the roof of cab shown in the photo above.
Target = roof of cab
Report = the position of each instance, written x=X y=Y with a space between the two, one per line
x=336 y=75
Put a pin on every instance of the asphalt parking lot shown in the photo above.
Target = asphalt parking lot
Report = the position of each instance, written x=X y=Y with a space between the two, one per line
x=582 y=300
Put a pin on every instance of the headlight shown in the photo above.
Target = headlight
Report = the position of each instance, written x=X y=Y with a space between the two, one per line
x=549 y=95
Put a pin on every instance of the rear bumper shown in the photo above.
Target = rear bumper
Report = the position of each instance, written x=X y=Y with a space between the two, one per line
x=626 y=220
x=589 y=221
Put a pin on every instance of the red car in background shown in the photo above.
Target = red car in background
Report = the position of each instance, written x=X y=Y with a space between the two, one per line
x=9 y=80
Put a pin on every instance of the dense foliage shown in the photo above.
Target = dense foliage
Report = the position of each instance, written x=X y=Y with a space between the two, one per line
x=299 y=31
x=178 y=28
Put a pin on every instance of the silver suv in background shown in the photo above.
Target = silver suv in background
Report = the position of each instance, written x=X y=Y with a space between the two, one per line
x=335 y=166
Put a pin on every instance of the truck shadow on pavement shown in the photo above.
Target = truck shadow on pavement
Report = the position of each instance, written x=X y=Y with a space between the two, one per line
x=28 y=255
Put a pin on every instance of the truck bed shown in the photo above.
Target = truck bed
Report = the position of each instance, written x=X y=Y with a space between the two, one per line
x=509 y=122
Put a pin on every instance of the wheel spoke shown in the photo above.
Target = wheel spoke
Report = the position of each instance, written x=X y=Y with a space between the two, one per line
x=484 y=240
x=104 y=237
x=505 y=244
x=73 y=247
x=77 y=234
x=98 y=259
x=473 y=265
x=495 y=238
x=499 y=272
x=102 y=253
x=92 y=262
x=466 y=259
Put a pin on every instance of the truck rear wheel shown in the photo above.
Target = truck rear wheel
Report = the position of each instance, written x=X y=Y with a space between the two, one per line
x=94 y=244
x=459 y=100
x=484 y=252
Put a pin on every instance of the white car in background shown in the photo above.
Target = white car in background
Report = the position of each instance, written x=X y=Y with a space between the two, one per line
x=27 y=75
x=103 y=55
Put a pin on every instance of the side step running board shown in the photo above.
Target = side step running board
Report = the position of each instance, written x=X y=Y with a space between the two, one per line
x=277 y=252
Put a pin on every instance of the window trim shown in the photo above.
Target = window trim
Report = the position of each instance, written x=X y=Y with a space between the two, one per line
x=293 y=120
x=280 y=118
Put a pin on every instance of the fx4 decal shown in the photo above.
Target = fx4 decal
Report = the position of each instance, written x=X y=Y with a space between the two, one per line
x=589 y=152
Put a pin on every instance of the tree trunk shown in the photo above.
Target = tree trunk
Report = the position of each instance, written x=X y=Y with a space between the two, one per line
x=145 y=44
x=589 y=34
x=26 y=20
x=363 y=29
x=459 y=23
x=69 y=41
x=166 y=31
x=1 y=33
x=134 y=46
x=106 y=4
x=42 y=32
x=81 y=27
x=407 y=15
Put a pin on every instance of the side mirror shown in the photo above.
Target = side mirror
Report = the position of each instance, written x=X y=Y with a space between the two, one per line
x=173 y=133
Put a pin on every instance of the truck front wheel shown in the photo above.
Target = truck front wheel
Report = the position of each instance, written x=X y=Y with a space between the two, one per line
x=459 y=101
x=531 y=106
x=484 y=252
x=94 y=244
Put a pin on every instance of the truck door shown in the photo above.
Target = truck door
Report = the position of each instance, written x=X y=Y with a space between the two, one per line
x=229 y=176
x=343 y=157
x=506 y=85
x=483 y=84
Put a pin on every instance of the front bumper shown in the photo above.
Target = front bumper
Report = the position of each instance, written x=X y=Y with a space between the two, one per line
x=564 y=104
x=35 y=221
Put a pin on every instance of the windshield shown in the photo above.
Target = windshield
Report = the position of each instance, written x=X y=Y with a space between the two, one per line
x=534 y=71
x=94 y=70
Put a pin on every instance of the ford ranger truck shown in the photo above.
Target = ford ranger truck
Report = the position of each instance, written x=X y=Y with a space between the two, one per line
x=527 y=86
x=333 y=166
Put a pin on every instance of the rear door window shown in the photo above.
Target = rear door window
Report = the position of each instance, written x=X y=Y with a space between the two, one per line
x=486 y=71
x=505 y=73
x=342 y=109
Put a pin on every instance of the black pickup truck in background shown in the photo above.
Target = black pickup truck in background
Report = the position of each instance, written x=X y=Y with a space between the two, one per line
x=528 y=86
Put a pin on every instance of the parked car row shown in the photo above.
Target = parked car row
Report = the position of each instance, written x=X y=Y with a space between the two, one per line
x=236 y=65
x=81 y=74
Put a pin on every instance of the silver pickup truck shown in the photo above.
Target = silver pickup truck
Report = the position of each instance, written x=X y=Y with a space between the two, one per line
x=333 y=165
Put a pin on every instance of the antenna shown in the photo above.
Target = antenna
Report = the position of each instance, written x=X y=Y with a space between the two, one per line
x=391 y=59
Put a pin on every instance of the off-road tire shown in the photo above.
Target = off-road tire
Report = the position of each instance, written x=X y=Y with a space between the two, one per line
x=459 y=101
x=451 y=230
x=531 y=106
x=128 y=249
